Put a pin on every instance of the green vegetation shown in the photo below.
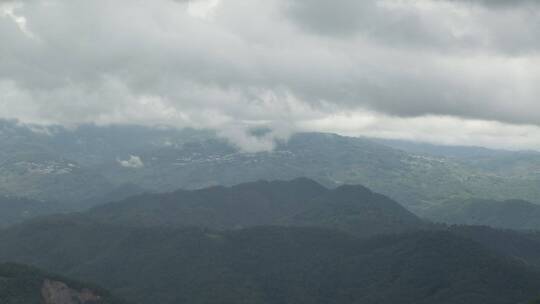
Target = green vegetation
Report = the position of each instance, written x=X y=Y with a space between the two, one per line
x=271 y=264
x=511 y=214
x=265 y=242
x=300 y=202
x=80 y=166
x=49 y=177
x=23 y=285
x=13 y=209
x=196 y=247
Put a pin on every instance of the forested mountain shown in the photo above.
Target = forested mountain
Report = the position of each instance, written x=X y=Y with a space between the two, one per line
x=48 y=177
x=14 y=209
x=269 y=151
x=271 y=264
x=417 y=181
x=449 y=151
x=510 y=214
x=25 y=285
x=212 y=246
x=523 y=246
x=300 y=202
x=84 y=164
x=226 y=239
x=499 y=162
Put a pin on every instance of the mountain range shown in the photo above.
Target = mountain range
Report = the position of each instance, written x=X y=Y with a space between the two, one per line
x=159 y=215
x=195 y=247
x=80 y=166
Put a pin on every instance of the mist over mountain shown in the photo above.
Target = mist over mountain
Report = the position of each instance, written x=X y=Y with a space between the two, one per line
x=269 y=151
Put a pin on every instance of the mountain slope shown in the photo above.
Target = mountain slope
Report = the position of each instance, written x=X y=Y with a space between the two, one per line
x=417 y=180
x=271 y=265
x=300 y=202
x=511 y=214
x=14 y=209
x=169 y=159
x=47 y=177
x=25 y=285
x=523 y=246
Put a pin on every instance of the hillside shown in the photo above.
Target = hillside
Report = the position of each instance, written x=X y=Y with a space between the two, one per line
x=82 y=164
x=299 y=202
x=48 y=177
x=25 y=285
x=522 y=246
x=271 y=265
x=418 y=181
x=14 y=209
x=510 y=214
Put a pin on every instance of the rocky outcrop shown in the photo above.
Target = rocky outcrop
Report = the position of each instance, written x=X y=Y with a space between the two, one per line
x=55 y=292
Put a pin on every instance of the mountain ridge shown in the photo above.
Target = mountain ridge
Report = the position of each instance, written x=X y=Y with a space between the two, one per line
x=299 y=202
x=508 y=214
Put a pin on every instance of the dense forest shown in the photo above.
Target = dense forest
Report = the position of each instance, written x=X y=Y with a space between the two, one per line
x=272 y=264
x=27 y=285
x=299 y=202
x=197 y=247
x=510 y=214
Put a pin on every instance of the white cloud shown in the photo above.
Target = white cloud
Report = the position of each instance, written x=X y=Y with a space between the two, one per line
x=8 y=10
x=133 y=162
x=204 y=9
x=445 y=130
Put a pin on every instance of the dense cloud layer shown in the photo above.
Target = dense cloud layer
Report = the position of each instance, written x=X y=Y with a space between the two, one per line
x=291 y=65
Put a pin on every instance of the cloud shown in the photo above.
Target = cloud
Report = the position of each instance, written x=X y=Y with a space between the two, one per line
x=501 y=3
x=7 y=10
x=134 y=162
x=235 y=65
x=203 y=9
x=445 y=130
x=443 y=25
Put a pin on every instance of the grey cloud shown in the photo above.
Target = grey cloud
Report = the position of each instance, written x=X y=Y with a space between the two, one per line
x=439 y=25
x=499 y=3
x=154 y=63
x=341 y=17
x=345 y=18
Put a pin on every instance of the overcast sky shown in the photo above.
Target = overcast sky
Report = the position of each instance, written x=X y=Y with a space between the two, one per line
x=455 y=72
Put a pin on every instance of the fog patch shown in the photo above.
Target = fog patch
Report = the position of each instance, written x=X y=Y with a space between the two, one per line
x=134 y=162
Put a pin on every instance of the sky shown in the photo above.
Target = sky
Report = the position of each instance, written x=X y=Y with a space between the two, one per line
x=464 y=72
